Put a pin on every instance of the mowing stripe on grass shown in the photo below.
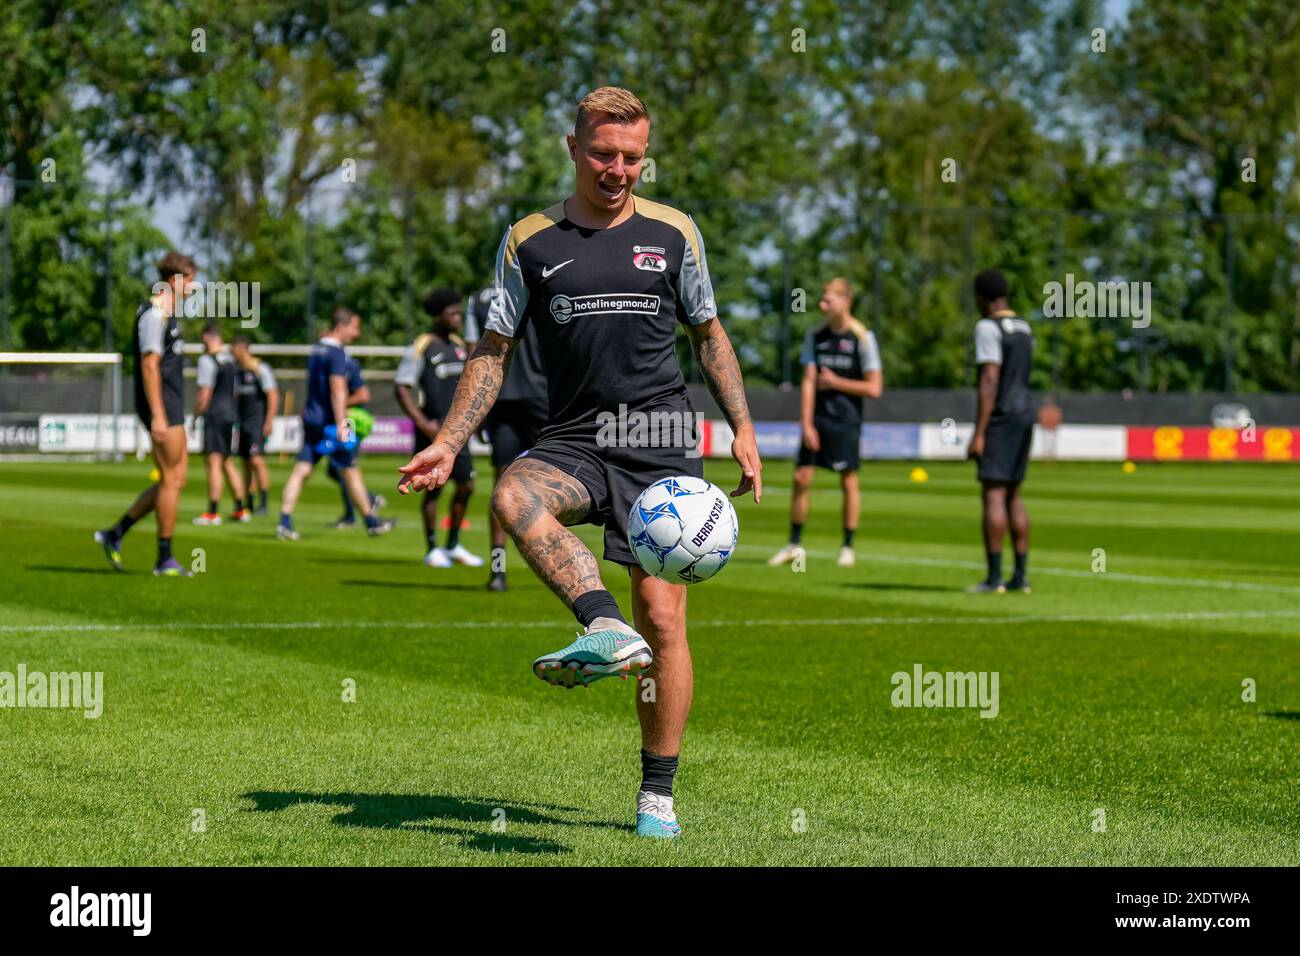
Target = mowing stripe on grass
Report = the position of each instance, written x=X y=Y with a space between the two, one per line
x=1062 y=572
x=754 y=622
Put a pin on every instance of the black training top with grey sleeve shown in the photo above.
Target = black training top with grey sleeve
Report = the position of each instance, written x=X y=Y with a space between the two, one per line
x=605 y=304
x=217 y=372
x=852 y=353
x=161 y=335
x=526 y=380
x=1007 y=340
x=251 y=386
x=434 y=366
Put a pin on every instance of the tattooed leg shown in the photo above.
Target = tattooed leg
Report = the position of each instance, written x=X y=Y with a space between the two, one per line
x=534 y=501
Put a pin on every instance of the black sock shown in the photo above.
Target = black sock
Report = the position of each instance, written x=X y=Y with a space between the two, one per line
x=657 y=773
x=995 y=567
x=123 y=526
x=371 y=520
x=248 y=501
x=432 y=538
x=796 y=532
x=1022 y=561
x=453 y=535
x=596 y=604
x=164 y=549
x=212 y=507
x=261 y=499
x=848 y=536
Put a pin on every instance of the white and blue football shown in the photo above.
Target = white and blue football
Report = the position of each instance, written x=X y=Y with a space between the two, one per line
x=682 y=529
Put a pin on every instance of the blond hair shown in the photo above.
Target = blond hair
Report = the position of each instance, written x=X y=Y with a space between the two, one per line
x=620 y=105
x=841 y=285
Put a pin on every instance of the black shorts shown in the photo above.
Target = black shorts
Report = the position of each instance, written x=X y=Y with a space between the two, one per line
x=512 y=427
x=840 y=442
x=173 y=408
x=462 y=470
x=1006 y=448
x=217 y=437
x=614 y=477
x=250 y=444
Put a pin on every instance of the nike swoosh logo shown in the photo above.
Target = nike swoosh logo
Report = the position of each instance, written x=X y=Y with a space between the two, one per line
x=548 y=272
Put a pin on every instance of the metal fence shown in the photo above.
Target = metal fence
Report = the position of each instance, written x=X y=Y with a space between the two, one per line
x=75 y=261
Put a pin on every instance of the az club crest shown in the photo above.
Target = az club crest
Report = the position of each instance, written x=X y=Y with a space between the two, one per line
x=649 y=258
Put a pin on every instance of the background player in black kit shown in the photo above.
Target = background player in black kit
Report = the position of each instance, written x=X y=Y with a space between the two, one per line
x=516 y=419
x=607 y=279
x=425 y=383
x=257 y=401
x=841 y=364
x=216 y=404
x=1004 y=427
x=160 y=405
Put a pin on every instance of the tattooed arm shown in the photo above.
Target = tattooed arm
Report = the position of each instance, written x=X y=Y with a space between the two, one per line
x=479 y=386
x=722 y=374
x=480 y=383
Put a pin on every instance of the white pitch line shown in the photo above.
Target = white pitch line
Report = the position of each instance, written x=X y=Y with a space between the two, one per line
x=1063 y=572
x=560 y=625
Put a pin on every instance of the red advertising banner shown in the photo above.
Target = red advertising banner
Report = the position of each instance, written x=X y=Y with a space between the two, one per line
x=1175 y=443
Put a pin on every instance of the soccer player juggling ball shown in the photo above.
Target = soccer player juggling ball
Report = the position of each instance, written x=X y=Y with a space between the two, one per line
x=604 y=278
x=160 y=405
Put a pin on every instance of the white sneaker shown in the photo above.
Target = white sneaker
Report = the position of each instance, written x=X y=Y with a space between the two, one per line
x=462 y=556
x=437 y=558
x=787 y=554
x=847 y=558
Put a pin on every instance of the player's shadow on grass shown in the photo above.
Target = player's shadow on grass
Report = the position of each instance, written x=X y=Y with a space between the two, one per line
x=470 y=818
x=877 y=586
x=1284 y=714
x=404 y=562
x=62 y=570
x=413 y=585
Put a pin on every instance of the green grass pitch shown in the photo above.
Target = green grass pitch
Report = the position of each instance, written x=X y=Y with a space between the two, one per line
x=1120 y=691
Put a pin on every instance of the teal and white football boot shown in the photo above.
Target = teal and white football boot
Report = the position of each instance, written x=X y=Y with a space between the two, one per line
x=608 y=648
x=655 y=816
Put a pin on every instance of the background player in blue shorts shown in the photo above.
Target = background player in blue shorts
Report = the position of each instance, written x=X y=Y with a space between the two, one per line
x=358 y=397
x=324 y=425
